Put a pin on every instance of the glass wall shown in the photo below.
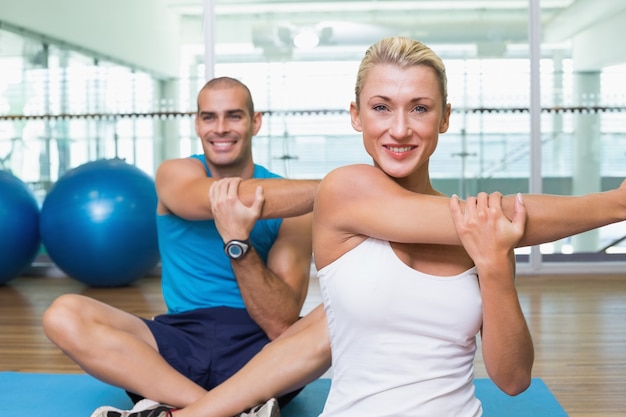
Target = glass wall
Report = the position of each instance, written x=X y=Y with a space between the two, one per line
x=59 y=108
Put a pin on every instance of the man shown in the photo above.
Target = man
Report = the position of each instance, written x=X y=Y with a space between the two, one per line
x=235 y=244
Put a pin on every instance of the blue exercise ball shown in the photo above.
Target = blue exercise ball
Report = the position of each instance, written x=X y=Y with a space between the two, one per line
x=98 y=223
x=19 y=227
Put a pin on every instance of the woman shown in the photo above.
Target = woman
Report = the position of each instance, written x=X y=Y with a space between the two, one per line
x=402 y=300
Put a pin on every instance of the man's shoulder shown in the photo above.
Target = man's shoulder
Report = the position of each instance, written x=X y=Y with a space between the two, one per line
x=189 y=161
x=262 y=172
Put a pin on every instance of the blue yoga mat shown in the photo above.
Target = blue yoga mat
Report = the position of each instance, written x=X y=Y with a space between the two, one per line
x=77 y=395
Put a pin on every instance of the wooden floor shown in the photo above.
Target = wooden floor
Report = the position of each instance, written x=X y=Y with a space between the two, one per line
x=578 y=325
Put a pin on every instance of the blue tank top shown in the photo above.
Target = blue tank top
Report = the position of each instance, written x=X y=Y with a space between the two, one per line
x=195 y=271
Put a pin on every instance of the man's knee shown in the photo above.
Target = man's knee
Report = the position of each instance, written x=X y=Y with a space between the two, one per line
x=61 y=319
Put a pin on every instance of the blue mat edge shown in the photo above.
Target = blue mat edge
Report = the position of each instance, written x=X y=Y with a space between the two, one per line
x=86 y=393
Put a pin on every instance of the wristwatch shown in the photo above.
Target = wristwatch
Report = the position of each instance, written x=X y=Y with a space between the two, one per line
x=237 y=249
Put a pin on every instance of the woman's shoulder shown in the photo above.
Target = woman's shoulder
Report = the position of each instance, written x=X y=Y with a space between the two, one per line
x=354 y=169
x=358 y=181
x=352 y=175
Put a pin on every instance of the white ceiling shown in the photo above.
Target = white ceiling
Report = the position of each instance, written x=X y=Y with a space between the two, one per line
x=490 y=27
x=360 y=23
x=246 y=30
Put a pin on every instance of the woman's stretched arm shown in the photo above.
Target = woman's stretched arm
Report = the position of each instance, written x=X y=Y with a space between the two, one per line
x=553 y=217
x=363 y=200
x=297 y=357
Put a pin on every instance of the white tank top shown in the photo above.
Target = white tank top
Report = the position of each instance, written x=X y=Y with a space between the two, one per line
x=403 y=342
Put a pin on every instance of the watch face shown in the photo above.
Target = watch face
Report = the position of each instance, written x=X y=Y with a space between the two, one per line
x=236 y=249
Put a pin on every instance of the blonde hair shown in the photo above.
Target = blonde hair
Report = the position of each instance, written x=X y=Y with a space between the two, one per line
x=403 y=53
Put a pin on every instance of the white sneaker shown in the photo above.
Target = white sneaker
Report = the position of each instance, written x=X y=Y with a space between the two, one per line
x=143 y=408
x=269 y=409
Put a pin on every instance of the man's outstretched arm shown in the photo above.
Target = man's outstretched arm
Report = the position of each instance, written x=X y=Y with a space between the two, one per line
x=183 y=189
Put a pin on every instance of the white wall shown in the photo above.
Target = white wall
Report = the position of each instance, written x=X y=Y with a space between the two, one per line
x=596 y=28
x=142 y=33
x=601 y=45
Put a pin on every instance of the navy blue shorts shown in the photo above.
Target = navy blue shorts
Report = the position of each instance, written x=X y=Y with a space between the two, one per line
x=209 y=345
